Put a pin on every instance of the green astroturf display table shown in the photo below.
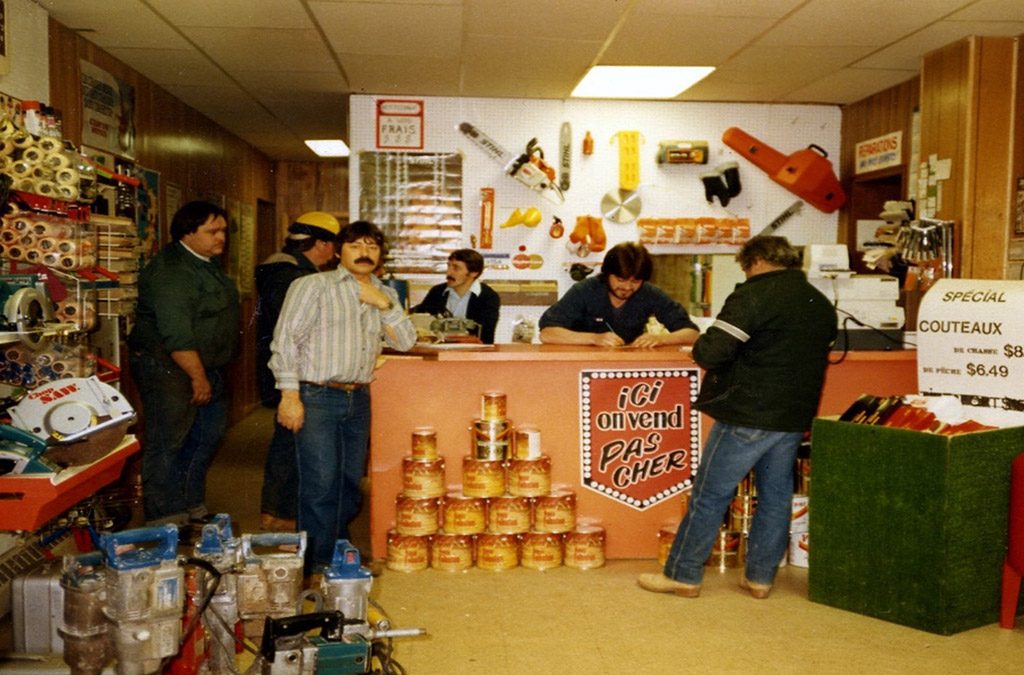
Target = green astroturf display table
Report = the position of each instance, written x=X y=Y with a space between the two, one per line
x=910 y=527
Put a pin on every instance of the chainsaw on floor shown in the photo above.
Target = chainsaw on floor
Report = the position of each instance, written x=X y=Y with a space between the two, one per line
x=528 y=167
x=64 y=423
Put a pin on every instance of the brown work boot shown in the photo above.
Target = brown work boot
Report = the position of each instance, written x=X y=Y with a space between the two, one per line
x=659 y=583
x=759 y=591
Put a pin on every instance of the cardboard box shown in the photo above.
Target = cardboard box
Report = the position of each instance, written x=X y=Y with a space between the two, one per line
x=910 y=527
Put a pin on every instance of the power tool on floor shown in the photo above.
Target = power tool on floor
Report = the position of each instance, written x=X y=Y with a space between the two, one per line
x=347 y=643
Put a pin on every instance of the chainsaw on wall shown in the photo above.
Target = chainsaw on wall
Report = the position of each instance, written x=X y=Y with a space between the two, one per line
x=528 y=167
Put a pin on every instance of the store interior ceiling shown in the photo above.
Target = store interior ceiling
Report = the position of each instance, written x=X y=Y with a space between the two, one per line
x=276 y=72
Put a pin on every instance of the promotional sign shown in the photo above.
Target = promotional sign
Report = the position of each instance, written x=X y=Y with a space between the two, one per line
x=879 y=153
x=108 y=111
x=639 y=433
x=970 y=342
x=399 y=124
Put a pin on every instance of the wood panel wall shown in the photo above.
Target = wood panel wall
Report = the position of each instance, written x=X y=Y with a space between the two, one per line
x=185 y=147
x=967 y=115
x=887 y=111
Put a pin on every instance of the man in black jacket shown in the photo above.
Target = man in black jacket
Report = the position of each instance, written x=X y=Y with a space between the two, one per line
x=764 y=359
x=463 y=295
x=310 y=245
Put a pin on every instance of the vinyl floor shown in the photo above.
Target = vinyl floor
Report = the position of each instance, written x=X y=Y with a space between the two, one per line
x=566 y=621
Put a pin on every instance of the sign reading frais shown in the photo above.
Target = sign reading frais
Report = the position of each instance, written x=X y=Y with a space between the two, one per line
x=639 y=433
x=399 y=124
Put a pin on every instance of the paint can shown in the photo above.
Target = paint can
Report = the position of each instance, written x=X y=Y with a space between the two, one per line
x=800 y=516
x=415 y=516
x=799 y=548
x=492 y=406
x=541 y=550
x=451 y=552
x=666 y=535
x=741 y=513
x=508 y=514
x=490 y=439
x=555 y=512
x=422 y=479
x=424 y=444
x=407 y=553
x=529 y=477
x=584 y=547
x=464 y=515
x=483 y=477
x=726 y=550
x=527 y=442
x=497 y=551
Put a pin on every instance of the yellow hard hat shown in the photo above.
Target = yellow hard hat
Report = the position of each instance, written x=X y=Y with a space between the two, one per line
x=316 y=224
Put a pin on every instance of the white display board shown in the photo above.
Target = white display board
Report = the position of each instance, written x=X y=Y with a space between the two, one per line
x=970 y=342
x=665 y=190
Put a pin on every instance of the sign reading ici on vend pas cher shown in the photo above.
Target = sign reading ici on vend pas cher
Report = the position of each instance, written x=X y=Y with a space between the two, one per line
x=639 y=433
x=970 y=341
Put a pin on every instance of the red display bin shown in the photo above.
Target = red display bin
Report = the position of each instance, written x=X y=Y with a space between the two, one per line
x=28 y=501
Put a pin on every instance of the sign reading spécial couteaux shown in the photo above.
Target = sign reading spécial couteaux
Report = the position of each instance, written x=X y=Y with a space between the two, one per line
x=970 y=341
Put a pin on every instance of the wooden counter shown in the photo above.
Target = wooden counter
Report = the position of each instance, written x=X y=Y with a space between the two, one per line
x=442 y=389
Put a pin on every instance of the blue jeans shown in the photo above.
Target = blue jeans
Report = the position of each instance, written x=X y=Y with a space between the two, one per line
x=178 y=439
x=729 y=455
x=332 y=447
x=280 y=496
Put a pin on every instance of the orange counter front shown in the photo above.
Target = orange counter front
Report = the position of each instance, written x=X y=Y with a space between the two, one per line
x=541 y=384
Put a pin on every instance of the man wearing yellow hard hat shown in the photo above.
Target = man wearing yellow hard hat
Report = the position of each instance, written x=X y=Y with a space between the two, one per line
x=310 y=245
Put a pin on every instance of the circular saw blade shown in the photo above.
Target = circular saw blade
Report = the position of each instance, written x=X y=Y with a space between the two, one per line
x=70 y=418
x=621 y=206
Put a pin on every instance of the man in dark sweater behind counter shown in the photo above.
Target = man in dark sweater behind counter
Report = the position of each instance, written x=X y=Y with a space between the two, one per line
x=615 y=308
x=765 y=358
x=463 y=295
x=185 y=334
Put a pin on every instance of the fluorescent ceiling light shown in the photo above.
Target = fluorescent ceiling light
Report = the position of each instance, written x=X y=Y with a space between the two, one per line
x=639 y=81
x=328 y=147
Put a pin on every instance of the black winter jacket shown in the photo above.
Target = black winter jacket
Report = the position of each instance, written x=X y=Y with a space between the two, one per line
x=766 y=354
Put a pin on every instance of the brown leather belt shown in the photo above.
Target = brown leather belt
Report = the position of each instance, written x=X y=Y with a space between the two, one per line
x=344 y=386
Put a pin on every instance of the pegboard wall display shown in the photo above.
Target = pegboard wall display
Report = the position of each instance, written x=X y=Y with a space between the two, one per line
x=601 y=172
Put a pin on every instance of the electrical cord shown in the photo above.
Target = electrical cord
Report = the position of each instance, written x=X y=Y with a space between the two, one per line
x=850 y=318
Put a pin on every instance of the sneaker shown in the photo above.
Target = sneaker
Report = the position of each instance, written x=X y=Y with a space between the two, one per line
x=759 y=591
x=659 y=583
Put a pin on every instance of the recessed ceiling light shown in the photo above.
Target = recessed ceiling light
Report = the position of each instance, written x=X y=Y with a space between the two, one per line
x=639 y=81
x=328 y=147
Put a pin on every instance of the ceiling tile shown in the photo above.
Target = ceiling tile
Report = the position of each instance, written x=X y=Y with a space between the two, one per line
x=717 y=8
x=401 y=75
x=172 y=66
x=907 y=53
x=234 y=13
x=425 y=31
x=854 y=83
x=866 y=22
x=117 y=23
x=267 y=49
x=990 y=10
x=664 y=40
x=543 y=18
x=290 y=81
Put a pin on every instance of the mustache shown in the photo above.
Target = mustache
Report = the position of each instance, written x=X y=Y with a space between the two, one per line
x=368 y=261
x=450 y=278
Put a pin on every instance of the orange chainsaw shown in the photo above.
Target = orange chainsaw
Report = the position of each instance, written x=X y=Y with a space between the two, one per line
x=806 y=173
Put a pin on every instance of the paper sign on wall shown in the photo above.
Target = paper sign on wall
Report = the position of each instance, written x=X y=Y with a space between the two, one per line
x=970 y=342
x=399 y=124
x=639 y=433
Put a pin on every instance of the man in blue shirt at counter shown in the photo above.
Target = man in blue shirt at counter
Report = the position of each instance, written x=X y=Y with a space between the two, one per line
x=463 y=295
x=613 y=309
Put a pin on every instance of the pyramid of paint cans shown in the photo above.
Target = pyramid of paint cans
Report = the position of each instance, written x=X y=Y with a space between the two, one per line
x=505 y=513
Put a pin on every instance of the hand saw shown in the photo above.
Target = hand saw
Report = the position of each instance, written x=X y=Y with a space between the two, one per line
x=529 y=167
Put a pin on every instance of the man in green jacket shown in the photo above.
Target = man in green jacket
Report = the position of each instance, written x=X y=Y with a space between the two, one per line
x=185 y=335
x=764 y=359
